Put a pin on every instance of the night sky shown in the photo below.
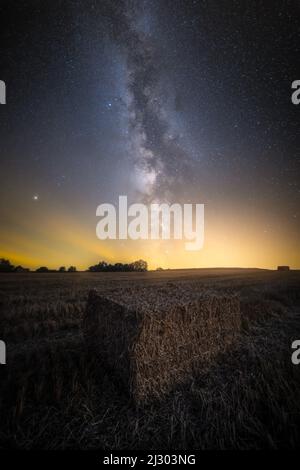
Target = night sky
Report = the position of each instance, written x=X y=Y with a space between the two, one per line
x=160 y=100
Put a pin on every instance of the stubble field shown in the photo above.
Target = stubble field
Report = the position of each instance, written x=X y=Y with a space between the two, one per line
x=55 y=395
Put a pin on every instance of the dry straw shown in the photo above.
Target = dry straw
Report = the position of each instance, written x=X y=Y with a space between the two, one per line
x=153 y=338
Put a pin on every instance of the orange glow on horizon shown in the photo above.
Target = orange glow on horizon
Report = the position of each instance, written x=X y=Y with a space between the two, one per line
x=62 y=242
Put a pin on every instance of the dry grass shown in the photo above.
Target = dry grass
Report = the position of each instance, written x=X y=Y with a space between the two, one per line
x=152 y=339
x=54 y=394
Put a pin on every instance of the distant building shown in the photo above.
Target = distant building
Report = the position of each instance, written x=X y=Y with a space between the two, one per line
x=283 y=268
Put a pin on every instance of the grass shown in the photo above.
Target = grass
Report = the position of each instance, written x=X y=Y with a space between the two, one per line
x=54 y=395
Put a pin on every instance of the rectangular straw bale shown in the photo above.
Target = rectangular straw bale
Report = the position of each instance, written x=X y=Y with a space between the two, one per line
x=153 y=338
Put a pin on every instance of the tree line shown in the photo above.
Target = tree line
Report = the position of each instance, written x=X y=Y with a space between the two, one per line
x=102 y=266
x=138 y=266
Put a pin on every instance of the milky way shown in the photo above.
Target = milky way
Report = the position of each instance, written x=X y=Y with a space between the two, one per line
x=161 y=164
x=160 y=100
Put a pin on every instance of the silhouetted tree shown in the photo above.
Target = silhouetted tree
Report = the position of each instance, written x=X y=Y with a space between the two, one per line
x=139 y=265
x=20 y=269
x=42 y=269
x=62 y=269
x=72 y=269
x=100 y=267
x=6 y=266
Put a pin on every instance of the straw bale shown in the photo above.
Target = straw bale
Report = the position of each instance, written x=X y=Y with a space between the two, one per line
x=153 y=338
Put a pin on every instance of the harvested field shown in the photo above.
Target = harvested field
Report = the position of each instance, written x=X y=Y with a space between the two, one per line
x=153 y=339
x=55 y=395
